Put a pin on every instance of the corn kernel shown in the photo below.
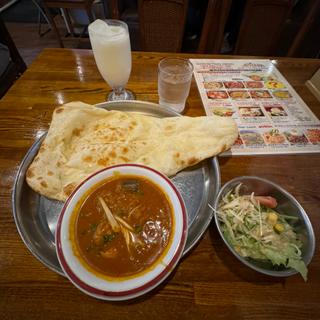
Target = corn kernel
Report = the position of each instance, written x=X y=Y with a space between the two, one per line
x=272 y=218
x=278 y=227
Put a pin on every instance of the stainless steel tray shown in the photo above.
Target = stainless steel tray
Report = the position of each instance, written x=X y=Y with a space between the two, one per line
x=36 y=216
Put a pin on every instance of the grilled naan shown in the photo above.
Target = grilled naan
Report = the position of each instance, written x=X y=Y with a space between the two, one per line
x=83 y=139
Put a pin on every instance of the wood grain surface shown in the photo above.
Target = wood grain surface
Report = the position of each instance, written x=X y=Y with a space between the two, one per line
x=209 y=283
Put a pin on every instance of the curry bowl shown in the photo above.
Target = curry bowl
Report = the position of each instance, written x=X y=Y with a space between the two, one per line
x=286 y=208
x=121 y=232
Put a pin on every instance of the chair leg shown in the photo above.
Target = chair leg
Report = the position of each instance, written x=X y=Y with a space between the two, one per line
x=41 y=14
x=68 y=21
x=41 y=11
x=89 y=13
x=53 y=24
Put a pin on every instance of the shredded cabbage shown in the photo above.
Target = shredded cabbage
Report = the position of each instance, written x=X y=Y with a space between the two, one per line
x=258 y=232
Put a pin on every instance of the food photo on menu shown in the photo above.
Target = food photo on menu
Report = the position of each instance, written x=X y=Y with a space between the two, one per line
x=313 y=135
x=223 y=111
x=212 y=94
x=238 y=95
x=281 y=94
x=275 y=110
x=252 y=138
x=260 y=94
x=273 y=136
x=233 y=84
x=273 y=84
x=213 y=85
x=254 y=84
x=296 y=137
x=250 y=111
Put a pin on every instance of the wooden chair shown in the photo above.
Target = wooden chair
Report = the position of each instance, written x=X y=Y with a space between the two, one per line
x=214 y=25
x=65 y=6
x=127 y=11
x=310 y=23
x=161 y=24
x=15 y=66
x=261 y=26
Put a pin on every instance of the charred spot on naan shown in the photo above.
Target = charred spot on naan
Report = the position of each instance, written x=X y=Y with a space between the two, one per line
x=192 y=161
x=114 y=136
x=112 y=154
x=67 y=190
x=103 y=162
x=125 y=150
x=30 y=173
x=42 y=148
x=77 y=131
x=124 y=159
x=44 y=184
x=169 y=128
x=87 y=159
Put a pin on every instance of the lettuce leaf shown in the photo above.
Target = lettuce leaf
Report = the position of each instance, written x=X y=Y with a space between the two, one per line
x=300 y=266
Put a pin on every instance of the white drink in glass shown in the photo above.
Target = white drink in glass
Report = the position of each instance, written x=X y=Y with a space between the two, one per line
x=174 y=80
x=112 y=52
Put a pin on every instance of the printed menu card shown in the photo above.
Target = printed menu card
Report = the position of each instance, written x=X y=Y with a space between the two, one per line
x=271 y=117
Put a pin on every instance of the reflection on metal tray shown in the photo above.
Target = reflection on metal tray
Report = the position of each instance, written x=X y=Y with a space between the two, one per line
x=36 y=216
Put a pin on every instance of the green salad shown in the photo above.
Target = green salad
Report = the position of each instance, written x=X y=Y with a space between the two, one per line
x=254 y=229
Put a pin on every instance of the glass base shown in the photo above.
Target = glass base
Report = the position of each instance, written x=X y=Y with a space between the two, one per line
x=124 y=95
x=177 y=107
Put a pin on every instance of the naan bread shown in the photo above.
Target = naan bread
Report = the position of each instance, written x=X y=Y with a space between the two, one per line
x=83 y=139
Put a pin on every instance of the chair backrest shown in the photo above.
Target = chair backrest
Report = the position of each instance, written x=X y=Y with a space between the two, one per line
x=261 y=26
x=306 y=39
x=5 y=38
x=213 y=26
x=15 y=65
x=161 y=24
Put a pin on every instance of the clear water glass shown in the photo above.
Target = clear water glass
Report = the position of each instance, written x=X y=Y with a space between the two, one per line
x=174 y=80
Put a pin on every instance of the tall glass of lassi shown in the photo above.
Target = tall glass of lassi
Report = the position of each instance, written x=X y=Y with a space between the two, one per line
x=112 y=52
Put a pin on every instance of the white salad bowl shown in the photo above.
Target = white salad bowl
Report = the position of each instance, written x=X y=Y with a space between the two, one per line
x=134 y=286
x=287 y=205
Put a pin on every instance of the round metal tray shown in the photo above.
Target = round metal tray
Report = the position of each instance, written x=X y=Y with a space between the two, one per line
x=36 y=216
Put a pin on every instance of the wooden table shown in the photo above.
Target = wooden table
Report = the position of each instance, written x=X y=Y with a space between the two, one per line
x=210 y=282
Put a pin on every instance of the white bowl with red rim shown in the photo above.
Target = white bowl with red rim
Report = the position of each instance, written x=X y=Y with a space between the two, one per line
x=133 y=287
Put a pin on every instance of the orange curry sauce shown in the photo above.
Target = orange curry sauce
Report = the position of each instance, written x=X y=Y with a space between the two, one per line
x=144 y=215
